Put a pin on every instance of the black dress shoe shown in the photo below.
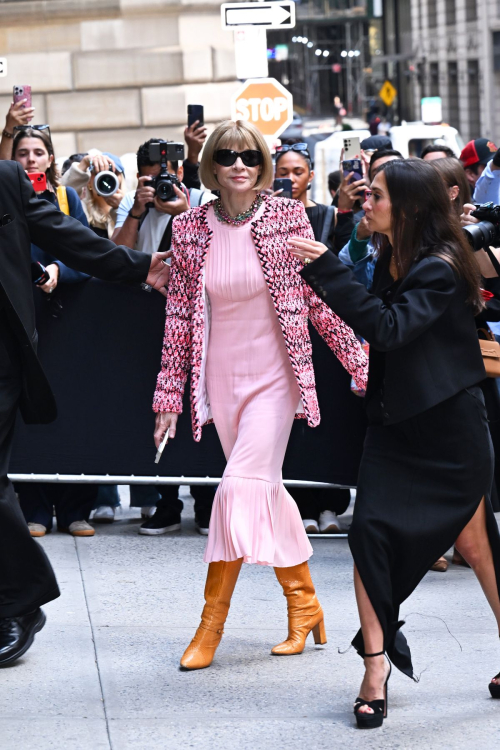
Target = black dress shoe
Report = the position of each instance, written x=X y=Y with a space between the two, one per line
x=17 y=635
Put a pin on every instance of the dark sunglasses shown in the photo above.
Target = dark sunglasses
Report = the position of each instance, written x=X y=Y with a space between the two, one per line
x=226 y=157
x=33 y=127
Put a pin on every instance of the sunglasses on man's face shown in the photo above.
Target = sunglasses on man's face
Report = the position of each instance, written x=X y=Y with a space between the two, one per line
x=227 y=157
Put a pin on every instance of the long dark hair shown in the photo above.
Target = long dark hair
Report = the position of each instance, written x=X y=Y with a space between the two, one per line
x=452 y=172
x=51 y=172
x=424 y=224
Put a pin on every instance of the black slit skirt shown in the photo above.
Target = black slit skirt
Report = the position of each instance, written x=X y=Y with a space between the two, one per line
x=420 y=483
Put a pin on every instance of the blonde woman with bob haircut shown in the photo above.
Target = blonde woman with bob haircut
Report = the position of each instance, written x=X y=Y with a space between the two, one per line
x=236 y=320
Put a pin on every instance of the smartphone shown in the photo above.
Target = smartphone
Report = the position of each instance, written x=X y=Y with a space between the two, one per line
x=195 y=112
x=352 y=148
x=22 y=92
x=285 y=185
x=38 y=180
x=352 y=165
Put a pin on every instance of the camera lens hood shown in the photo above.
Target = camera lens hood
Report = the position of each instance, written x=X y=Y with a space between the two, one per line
x=106 y=184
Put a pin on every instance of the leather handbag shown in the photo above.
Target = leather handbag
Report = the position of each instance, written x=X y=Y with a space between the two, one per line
x=490 y=349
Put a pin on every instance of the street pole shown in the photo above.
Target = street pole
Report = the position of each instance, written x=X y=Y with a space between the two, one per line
x=348 y=104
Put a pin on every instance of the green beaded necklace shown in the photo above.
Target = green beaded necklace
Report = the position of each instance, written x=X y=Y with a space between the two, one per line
x=242 y=218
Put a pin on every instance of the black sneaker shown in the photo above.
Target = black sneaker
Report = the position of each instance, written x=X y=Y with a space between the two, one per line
x=161 y=523
x=202 y=521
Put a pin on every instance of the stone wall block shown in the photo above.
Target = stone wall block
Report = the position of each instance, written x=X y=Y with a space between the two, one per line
x=45 y=71
x=120 y=142
x=196 y=30
x=127 y=33
x=55 y=37
x=167 y=105
x=197 y=64
x=86 y=110
x=64 y=145
x=137 y=67
x=223 y=64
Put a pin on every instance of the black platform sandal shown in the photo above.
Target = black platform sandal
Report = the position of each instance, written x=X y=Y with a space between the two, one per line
x=494 y=688
x=379 y=707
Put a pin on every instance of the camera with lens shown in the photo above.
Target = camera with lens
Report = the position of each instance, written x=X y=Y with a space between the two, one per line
x=106 y=183
x=486 y=232
x=163 y=152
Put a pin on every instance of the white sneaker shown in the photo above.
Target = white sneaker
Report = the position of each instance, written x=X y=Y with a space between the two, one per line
x=329 y=523
x=310 y=526
x=104 y=514
x=37 y=529
x=81 y=528
x=148 y=511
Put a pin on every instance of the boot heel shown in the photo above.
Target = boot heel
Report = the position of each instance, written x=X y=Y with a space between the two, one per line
x=319 y=633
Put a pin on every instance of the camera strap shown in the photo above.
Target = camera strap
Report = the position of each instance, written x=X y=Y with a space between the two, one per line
x=166 y=240
x=494 y=261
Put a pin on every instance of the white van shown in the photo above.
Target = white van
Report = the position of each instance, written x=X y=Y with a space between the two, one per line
x=409 y=139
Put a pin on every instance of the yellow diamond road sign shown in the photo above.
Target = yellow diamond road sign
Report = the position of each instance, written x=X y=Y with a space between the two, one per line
x=388 y=93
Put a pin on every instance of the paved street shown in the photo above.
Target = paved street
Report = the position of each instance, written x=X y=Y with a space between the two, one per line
x=104 y=671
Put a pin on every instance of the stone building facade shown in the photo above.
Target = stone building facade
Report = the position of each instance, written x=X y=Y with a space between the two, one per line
x=110 y=74
x=454 y=54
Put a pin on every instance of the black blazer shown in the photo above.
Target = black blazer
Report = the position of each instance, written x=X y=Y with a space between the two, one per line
x=425 y=328
x=25 y=219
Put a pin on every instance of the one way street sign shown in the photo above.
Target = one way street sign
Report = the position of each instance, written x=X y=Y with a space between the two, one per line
x=270 y=15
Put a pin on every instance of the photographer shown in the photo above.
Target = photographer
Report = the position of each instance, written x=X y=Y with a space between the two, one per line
x=475 y=157
x=143 y=219
x=144 y=222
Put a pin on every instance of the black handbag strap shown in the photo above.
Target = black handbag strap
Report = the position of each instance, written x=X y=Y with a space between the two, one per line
x=494 y=261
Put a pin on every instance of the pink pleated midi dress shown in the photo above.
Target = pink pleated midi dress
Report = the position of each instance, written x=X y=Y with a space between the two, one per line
x=253 y=395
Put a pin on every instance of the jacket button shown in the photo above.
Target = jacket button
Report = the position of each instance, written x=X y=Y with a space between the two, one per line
x=386 y=415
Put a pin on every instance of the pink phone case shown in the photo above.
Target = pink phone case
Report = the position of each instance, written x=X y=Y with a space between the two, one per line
x=22 y=92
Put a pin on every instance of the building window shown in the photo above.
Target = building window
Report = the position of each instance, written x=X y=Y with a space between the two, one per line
x=432 y=14
x=471 y=10
x=453 y=113
x=474 y=102
x=496 y=50
x=434 y=78
x=451 y=18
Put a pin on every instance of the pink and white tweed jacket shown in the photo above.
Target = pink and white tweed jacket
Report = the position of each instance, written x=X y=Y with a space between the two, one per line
x=188 y=311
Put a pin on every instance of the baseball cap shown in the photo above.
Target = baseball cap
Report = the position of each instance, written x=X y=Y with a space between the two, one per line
x=376 y=142
x=117 y=161
x=480 y=151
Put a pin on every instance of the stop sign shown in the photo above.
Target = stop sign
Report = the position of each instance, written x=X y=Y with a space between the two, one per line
x=265 y=103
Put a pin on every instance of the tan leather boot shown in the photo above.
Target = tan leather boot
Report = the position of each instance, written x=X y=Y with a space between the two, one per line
x=221 y=580
x=304 y=610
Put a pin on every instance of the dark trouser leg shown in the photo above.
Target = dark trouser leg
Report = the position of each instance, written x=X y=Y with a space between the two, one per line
x=36 y=502
x=203 y=496
x=169 y=499
x=307 y=502
x=336 y=500
x=73 y=502
x=107 y=494
x=26 y=577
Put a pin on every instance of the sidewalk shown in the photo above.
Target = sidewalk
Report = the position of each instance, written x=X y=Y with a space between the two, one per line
x=104 y=671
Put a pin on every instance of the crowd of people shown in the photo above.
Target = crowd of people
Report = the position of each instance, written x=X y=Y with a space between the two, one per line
x=386 y=266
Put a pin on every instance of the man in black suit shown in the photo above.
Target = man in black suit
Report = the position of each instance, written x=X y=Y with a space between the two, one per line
x=27 y=580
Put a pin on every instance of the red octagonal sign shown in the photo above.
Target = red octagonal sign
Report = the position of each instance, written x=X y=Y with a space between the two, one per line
x=265 y=103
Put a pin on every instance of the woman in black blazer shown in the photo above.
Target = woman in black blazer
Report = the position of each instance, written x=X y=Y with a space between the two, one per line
x=427 y=462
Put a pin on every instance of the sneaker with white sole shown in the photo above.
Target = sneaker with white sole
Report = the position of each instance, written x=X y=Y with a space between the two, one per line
x=37 y=529
x=329 y=523
x=81 y=528
x=162 y=522
x=148 y=511
x=310 y=526
x=104 y=514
